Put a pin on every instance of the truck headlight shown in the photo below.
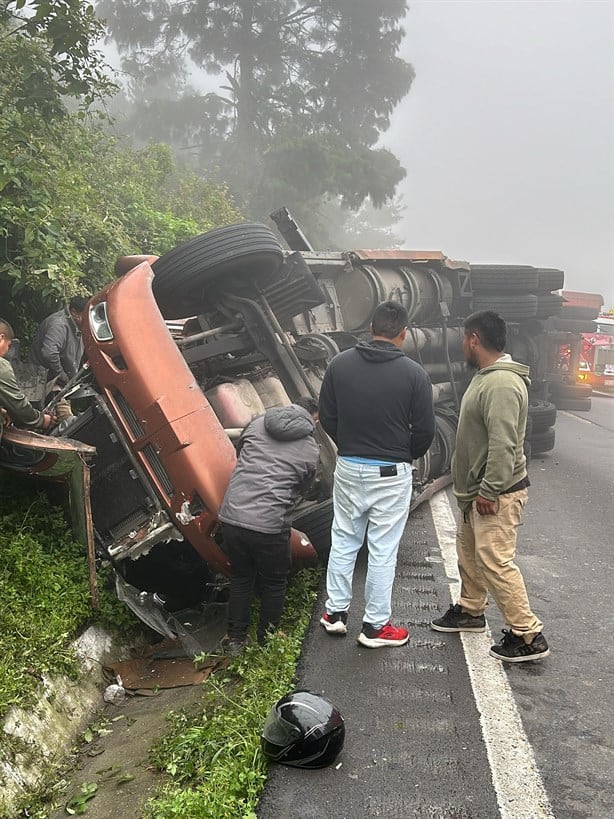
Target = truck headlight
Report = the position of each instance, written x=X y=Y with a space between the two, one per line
x=99 y=323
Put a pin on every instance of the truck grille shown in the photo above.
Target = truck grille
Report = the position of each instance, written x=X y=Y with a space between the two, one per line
x=133 y=423
x=149 y=453
x=153 y=459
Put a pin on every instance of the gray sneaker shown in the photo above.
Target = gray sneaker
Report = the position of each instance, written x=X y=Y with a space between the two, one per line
x=455 y=619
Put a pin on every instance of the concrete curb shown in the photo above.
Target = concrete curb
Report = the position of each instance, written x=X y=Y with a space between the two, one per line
x=34 y=741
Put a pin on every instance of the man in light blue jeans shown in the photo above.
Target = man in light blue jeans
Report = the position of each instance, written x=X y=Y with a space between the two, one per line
x=377 y=406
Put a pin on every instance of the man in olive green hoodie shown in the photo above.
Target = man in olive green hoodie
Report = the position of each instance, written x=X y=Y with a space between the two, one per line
x=14 y=406
x=490 y=481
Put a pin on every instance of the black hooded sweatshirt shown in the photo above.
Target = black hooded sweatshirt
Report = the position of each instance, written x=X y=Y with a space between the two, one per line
x=377 y=403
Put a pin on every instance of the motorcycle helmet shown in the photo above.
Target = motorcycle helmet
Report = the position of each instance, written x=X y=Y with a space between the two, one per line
x=303 y=730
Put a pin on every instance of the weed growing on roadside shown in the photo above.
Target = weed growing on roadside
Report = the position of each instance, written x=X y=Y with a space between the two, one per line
x=45 y=600
x=213 y=757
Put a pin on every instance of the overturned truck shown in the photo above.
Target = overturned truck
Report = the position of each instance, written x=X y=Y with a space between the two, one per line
x=184 y=349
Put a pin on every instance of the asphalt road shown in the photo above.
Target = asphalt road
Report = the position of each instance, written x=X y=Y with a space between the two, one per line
x=566 y=704
x=438 y=729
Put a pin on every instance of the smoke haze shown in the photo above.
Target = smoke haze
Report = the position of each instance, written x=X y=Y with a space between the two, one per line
x=508 y=135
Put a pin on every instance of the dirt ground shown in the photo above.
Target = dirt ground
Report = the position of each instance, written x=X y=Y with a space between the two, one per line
x=117 y=762
x=113 y=761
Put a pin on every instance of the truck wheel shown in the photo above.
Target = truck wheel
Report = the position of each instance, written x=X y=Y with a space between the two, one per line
x=574 y=404
x=316 y=523
x=570 y=391
x=577 y=311
x=248 y=251
x=542 y=441
x=571 y=325
x=542 y=415
x=511 y=307
x=548 y=279
x=502 y=278
x=527 y=450
x=548 y=304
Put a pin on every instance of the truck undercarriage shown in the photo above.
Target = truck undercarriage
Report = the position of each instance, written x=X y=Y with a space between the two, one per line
x=183 y=350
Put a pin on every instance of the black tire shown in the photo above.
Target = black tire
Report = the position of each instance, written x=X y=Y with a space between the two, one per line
x=570 y=325
x=542 y=415
x=577 y=311
x=542 y=441
x=561 y=390
x=316 y=523
x=548 y=304
x=523 y=348
x=574 y=404
x=512 y=308
x=529 y=428
x=248 y=251
x=549 y=278
x=528 y=452
x=503 y=278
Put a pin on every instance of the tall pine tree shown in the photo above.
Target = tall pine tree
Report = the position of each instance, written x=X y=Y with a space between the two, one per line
x=293 y=96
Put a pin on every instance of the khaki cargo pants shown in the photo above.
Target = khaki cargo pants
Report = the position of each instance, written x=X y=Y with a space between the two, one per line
x=486 y=547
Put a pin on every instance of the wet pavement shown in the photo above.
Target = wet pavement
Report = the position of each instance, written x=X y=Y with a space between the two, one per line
x=539 y=741
x=414 y=746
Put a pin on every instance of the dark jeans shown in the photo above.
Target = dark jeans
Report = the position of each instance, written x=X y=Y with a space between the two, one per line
x=260 y=564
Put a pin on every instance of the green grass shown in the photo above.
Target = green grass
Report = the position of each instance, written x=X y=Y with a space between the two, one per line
x=44 y=597
x=212 y=758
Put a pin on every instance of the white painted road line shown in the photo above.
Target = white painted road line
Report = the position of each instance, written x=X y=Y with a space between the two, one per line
x=517 y=782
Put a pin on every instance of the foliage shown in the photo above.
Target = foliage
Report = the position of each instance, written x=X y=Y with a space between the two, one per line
x=45 y=593
x=72 y=199
x=213 y=758
x=52 y=44
x=304 y=91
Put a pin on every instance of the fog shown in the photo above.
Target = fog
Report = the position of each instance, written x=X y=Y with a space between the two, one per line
x=507 y=134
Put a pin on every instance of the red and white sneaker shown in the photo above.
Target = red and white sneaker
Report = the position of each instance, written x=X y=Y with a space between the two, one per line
x=387 y=635
x=335 y=623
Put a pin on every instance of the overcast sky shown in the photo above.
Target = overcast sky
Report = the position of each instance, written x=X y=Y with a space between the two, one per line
x=507 y=134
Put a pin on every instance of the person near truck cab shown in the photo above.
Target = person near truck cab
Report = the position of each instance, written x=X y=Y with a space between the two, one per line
x=377 y=406
x=277 y=459
x=489 y=472
x=14 y=405
x=58 y=347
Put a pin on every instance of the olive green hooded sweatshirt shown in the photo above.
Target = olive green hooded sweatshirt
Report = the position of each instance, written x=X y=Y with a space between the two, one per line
x=489 y=456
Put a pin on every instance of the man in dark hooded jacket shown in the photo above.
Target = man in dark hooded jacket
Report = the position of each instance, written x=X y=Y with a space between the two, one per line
x=377 y=406
x=277 y=461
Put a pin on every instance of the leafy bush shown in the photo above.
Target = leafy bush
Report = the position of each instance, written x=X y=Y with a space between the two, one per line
x=213 y=757
x=72 y=199
x=45 y=594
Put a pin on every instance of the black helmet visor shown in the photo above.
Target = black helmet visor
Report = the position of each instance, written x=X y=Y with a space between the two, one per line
x=278 y=731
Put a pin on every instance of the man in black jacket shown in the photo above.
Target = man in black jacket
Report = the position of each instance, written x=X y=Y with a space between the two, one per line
x=377 y=406
x=277 y=462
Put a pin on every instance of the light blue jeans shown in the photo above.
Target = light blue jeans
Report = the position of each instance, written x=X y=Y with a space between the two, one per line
x=366 y=502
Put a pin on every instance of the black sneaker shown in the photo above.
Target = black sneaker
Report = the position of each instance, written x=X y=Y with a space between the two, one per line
x=233 y=646
x=513 y=649
x=335 y=623
x=455 y=619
